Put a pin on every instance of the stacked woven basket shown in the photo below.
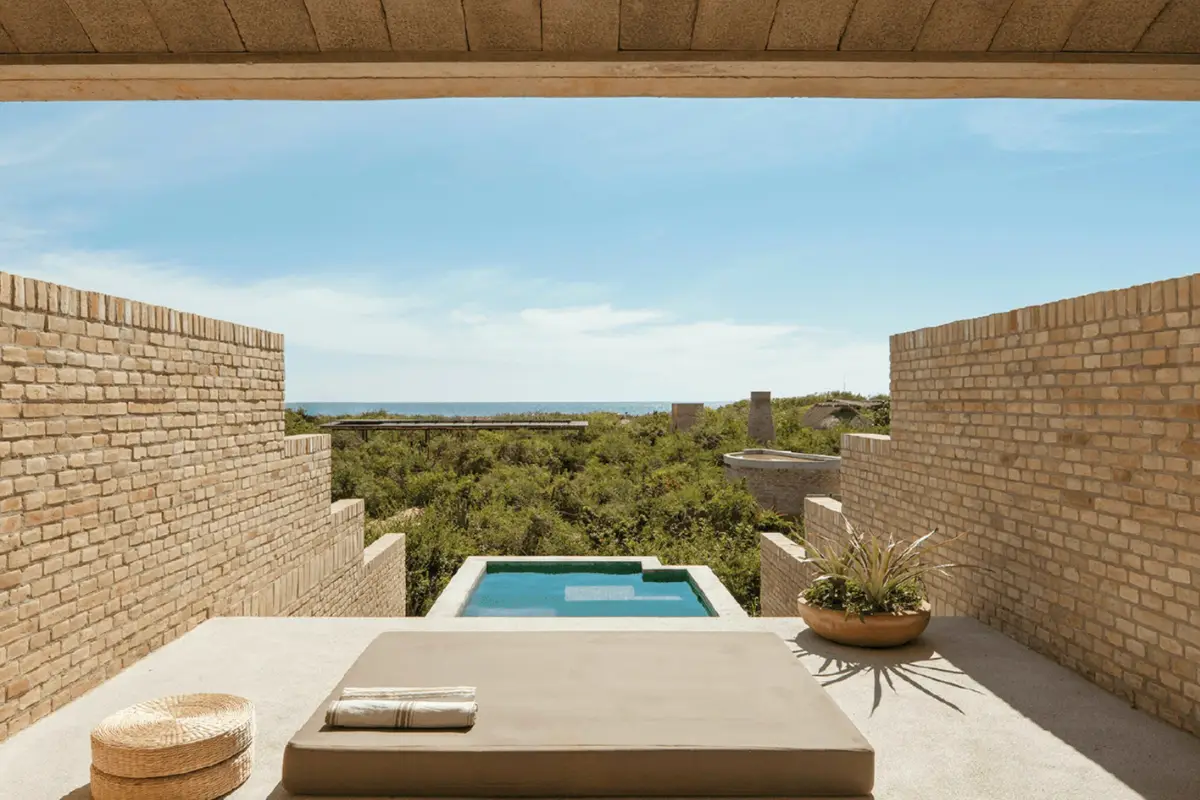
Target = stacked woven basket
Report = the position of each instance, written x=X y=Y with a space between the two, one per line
x=184 y=747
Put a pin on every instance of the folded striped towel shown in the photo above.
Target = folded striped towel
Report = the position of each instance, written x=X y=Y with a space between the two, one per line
x=455 y=694
x=400 y=714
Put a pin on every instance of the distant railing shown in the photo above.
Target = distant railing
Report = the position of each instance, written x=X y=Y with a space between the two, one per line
x=365 y=426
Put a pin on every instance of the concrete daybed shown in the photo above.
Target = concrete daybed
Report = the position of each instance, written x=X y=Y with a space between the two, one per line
x=592 y=714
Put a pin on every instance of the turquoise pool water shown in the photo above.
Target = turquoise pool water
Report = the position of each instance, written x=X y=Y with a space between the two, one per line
x=584 y=589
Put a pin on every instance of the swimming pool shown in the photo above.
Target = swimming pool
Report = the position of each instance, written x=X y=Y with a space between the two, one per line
x=575 y=588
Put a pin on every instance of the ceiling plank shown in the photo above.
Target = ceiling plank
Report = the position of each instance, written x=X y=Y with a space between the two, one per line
x=196 y=26
x=279 y=26
x=581 y=26
x=503 y=24
x=43 y=26
x=732 y=24
x=809 y=24
x=1037 y=26
x=349 y=25
x=1113 y=26
x=962 y=26
x=426 y=25
x=119 y=26
x=1177 y=29
x=657 y=24
x=890 y=25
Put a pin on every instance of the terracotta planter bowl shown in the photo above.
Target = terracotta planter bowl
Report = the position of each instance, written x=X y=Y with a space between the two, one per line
x=873 y=630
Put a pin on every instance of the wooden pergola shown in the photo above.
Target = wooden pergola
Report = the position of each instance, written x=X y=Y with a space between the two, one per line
x=365 y=426
x=373 y=49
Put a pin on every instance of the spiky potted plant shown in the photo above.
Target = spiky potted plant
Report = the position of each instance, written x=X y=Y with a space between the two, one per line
x=870 y=591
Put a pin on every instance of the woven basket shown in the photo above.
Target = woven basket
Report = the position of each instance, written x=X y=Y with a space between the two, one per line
x=209 y=783
x=173 y=735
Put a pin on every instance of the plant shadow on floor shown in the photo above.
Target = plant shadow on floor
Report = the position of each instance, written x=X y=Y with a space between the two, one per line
x=914 y=664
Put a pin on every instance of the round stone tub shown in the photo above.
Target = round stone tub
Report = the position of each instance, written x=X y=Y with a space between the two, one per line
x=780 y=480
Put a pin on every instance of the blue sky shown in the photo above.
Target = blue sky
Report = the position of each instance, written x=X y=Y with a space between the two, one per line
x=597 y=249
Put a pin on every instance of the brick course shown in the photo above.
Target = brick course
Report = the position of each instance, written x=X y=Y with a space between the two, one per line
x=1064 y=440
x=146 y=485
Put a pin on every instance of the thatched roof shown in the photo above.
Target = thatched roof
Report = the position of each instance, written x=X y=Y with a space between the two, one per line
x=832 y=413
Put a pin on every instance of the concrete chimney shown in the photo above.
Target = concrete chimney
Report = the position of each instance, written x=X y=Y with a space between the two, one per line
x=684 y=416
x=761 y=426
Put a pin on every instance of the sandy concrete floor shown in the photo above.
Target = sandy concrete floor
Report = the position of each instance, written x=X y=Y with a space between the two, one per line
x=963 y=714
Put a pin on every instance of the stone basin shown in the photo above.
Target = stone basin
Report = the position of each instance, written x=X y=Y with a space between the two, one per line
x=781 y=479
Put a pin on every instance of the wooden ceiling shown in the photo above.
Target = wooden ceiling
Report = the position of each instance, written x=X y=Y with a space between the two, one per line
x=329 y=49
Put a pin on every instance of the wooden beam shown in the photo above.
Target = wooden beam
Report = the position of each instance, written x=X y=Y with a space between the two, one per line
x=684 y=74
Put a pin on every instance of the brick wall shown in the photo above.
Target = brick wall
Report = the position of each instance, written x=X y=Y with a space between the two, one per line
x=782 y=575
x=375 y=589
x=146 y=485
x=1064 y=439
x=784 y=490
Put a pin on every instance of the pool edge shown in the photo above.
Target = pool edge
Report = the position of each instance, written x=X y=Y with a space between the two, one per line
x=456 y=595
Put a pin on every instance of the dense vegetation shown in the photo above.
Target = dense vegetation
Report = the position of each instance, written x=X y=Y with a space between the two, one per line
x=622 y=487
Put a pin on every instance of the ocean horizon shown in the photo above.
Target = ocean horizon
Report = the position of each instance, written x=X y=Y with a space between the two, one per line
x=488 y=409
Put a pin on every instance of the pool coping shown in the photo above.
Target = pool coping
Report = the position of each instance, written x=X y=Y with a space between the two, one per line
x=453 y=599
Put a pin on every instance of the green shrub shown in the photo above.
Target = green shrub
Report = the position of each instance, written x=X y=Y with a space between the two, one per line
x=619 y=488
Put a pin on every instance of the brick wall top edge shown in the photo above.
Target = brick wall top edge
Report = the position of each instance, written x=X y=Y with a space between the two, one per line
x=822 y=513
x=783 y=543
x=823 y=505
x=874 y=443
x=1175 y=294
x=343 y=511
x=382 y=545
x=306 y=443
x=27 y=294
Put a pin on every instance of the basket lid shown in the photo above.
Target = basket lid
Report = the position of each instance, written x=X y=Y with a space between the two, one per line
x=173 y=735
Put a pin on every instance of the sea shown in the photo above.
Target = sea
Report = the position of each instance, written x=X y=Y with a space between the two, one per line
x=486 y=409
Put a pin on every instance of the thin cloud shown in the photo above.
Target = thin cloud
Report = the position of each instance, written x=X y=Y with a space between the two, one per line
x=583 y=320
x=1067 y=126
x=65 y=150
x=71 y=150
x=745 y=135
x=358 y=340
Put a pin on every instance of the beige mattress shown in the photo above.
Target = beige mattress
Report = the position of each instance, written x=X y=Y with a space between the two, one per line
x=593 y=714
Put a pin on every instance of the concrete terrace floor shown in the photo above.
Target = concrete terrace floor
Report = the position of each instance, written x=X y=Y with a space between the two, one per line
x=963 y=714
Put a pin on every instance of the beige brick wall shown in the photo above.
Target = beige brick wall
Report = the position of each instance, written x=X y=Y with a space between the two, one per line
x=375 y=588
x=368 y=583
x=782 y=575
x=784 y=490
x=823 y=519
x=1064 y=440
x=146 y=485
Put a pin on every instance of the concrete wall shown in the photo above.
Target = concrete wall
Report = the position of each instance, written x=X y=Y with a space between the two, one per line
x=146 y=485
x=1063 y=439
